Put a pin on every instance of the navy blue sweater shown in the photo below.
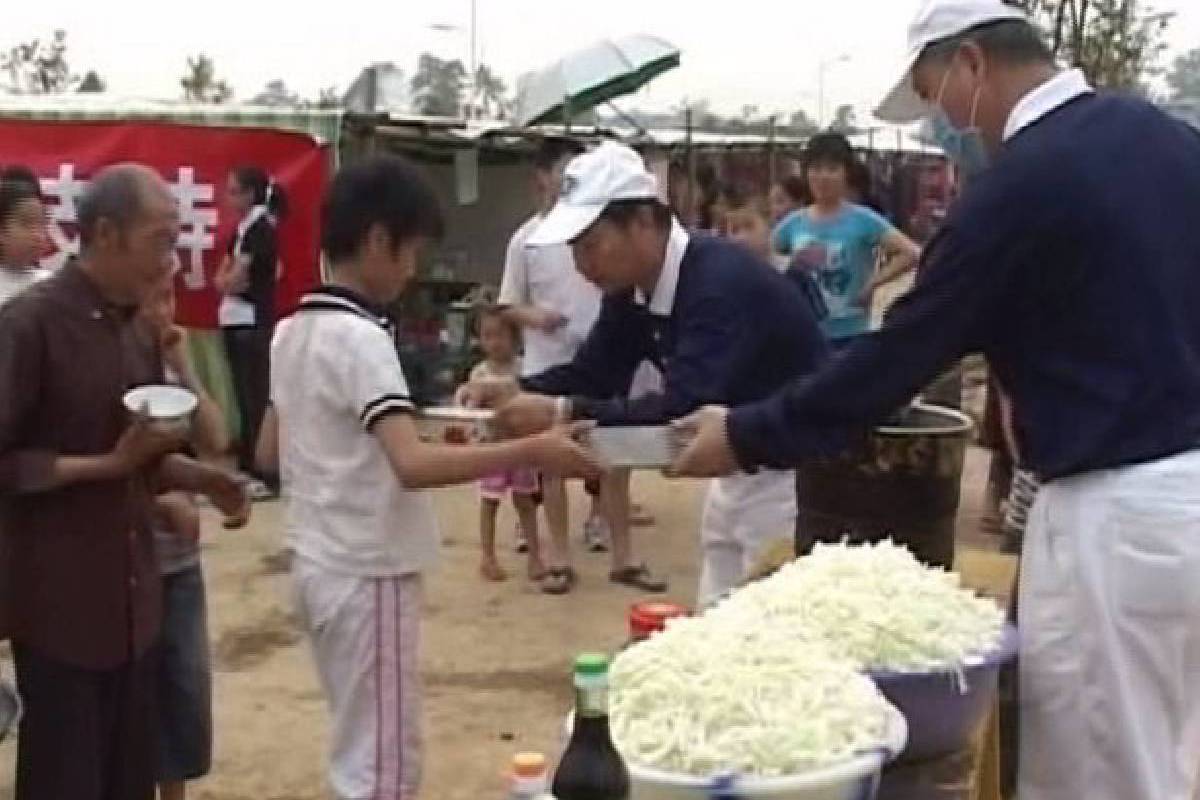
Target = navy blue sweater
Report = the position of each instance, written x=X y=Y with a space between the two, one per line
x=738 y=331
x=1073 y=264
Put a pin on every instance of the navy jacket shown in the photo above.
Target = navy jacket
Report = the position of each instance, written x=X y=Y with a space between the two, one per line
x=738 y=331
x=1073 y=264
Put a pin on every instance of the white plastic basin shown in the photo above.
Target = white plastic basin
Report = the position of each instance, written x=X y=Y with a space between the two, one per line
x=856 y=779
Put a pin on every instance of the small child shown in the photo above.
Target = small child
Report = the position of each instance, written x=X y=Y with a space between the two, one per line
x=22 y=243
x=22 y=232
x=747 y=220
x=354 y=466
x=499 y=337
x=185 y=672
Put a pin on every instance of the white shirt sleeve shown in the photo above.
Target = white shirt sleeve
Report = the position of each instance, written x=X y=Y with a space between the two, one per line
x=375 y=380
x=514 y=286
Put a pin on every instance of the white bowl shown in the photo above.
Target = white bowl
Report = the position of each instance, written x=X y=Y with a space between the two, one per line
x=166 y=406
x=854 y=779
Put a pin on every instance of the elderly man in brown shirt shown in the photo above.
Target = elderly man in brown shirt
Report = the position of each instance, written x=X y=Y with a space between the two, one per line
x=80 y=583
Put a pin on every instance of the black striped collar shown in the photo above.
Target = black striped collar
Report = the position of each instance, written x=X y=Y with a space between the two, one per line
x=339 y=298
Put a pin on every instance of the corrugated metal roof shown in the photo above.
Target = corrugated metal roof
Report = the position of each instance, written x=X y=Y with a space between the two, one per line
x=88 y=107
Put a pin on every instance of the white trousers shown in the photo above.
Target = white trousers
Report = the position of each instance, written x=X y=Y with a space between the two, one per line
x=1110 y=636
x=742 y=515
x=365 y=634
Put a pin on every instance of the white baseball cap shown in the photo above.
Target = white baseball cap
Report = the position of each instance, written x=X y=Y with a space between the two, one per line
x=591 y=181
x=936 y=20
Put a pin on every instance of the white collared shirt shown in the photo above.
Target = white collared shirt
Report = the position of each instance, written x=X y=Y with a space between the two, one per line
x=235 y=311
x=663 y=300
x=546 y=277
x=334 y=375
x=1050 y=96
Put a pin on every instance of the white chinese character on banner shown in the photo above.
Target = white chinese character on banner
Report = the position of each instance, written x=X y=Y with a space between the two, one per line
x=197 y=219
x=64 y=191
x=197 y=226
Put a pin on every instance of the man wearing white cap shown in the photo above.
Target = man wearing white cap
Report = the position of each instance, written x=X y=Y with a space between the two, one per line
x=721 y=325
x=1072 y=262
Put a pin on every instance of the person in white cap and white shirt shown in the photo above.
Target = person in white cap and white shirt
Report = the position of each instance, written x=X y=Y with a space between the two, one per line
x=1072 y=263
x=721 y=324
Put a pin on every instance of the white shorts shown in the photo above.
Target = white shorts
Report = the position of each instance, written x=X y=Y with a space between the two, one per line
x=365 y=636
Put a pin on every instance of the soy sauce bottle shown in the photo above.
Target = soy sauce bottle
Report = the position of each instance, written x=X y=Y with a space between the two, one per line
x=591 y=768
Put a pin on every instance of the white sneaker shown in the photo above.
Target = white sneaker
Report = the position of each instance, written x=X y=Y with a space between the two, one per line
x=596 y=535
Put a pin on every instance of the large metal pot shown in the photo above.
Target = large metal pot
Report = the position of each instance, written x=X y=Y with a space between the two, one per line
x=902 y=483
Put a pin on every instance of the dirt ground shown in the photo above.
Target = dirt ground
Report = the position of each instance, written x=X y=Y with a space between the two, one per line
x=496 y=658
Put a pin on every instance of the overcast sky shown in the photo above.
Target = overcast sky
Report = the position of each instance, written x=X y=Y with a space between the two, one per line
x=735 y=52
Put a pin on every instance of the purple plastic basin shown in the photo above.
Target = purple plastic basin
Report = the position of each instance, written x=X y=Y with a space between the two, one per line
x=942 y=717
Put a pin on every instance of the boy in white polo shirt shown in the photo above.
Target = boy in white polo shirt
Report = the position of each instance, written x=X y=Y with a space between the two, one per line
x=353 y=465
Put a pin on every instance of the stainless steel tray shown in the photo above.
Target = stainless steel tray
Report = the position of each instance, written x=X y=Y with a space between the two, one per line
x=636 y=447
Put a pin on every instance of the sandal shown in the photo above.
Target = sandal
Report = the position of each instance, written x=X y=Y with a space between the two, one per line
x=559 y=580
x=638 y=577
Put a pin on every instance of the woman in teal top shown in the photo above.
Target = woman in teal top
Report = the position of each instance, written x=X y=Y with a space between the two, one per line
x=834 y=242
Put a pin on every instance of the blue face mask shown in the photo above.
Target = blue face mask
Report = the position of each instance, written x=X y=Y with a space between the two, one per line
x=963 y=146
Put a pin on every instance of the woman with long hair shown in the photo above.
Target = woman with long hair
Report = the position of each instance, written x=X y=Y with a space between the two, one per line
x=246 y=279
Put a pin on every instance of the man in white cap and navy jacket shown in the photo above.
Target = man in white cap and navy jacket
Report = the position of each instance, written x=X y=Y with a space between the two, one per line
x=1072 y=262
x=721 y=325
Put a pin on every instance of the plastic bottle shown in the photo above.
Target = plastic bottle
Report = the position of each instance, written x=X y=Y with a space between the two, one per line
x=528 y=777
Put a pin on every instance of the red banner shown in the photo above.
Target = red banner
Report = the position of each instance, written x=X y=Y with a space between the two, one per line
x=195 y=161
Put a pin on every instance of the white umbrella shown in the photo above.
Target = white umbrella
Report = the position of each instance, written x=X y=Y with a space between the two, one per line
x=584 y=79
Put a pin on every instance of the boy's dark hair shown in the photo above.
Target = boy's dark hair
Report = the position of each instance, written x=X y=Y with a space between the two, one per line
x=829 y=148
x=796 y=188
x=1011 y=41
x=263 y=190
x=553 y=151
x=744 y=198
x=623 y=212
x=17 y=184
x=379 y=190
x=19 y=173
x=493 y=311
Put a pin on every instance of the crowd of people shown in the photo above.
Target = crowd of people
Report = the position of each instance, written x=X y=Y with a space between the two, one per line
x=754 y=344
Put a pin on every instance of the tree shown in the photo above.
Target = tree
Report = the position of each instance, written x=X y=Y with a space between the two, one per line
x=201 y=85
x=801 y=124
x=844 y=120
x=1184 y=77
x=92 y=83
x=328 y=98
x=438 y=86
x=1117 y=43
x=276 y=94
x=490 y=95
x=38 y=67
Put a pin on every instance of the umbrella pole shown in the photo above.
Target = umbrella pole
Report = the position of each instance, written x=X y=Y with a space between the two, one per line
x=690 y=155
x=772 y=168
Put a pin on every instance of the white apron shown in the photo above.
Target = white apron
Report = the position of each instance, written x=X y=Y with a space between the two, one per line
x=743 y=514
x=1110 y=636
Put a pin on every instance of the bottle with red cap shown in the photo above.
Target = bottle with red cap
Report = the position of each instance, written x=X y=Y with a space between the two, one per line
x=650 y=617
